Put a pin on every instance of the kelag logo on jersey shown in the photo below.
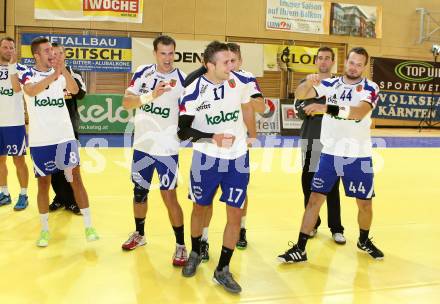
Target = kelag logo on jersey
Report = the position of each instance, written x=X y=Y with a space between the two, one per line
x=150 y=108
x=48 y=102
x=6 y=92
x=215 y=120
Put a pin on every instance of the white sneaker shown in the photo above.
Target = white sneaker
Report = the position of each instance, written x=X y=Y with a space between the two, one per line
x=339 y=238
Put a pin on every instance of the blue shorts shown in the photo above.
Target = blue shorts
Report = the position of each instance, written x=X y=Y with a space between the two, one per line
x=356 y=174
x=51 y=159
x=208 y=173
x=13 y=141
x=144 y=164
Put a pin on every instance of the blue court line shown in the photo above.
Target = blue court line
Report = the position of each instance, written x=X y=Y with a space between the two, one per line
x=272 y=141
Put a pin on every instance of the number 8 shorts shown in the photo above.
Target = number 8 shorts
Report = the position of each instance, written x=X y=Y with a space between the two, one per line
x=144 y=164
x=356 y=174
x=51 y=159
x=208 y=173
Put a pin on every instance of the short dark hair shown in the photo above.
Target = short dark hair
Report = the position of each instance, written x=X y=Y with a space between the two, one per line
x=212 y=49
x=234 y=48
x=56 y=44
x=360 y=51
x=35 y=44
x=7 y=38
x=326 y=49
x=165 y=40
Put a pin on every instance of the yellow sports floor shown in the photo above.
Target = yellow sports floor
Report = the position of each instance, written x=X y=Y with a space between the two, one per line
x=406 y=226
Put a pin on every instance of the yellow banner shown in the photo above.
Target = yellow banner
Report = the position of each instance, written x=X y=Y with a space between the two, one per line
x=292 y=57
x=90 y=10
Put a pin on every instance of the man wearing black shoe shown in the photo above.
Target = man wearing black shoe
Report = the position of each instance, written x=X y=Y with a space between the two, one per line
x=347 y=148
x=63 y=191
x=216 y=115
x=311 y=150
x=258 y=105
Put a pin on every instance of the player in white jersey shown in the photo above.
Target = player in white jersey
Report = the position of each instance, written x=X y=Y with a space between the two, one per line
x=52 y=142
x=347 y=148
x=259 y=106
x=12 y=128
x=154 y=92
x=216 y=115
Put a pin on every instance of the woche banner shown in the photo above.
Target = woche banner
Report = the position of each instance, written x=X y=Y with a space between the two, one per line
x=90 y=10
x=408 y=89
x=85 y=52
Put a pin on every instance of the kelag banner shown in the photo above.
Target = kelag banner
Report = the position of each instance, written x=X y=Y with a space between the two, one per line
x=85 y=52
x=103 y=113
x=90 y=10
x=408 y=88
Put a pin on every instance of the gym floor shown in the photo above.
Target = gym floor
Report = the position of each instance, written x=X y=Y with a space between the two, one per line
x=405 y=227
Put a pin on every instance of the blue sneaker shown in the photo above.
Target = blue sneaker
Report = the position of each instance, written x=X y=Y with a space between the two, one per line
x=22 y=202
x=5 y=199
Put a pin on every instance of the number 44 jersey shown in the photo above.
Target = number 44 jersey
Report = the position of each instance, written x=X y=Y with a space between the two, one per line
x=344 y=137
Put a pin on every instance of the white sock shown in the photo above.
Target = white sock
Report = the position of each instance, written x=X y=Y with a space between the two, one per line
x=86 y=217
x=44 y=220
x=23 y=191
x=4 y=189
x=243 y=222
x=205 y=234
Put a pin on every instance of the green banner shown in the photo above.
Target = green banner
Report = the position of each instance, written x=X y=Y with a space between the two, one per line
x=103 y=113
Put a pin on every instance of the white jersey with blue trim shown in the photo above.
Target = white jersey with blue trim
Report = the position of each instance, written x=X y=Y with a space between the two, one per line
x=155 y=130
x=343 y=137
x=11 y=103
x=217 y=109
x=254 y=88
x=49 y=120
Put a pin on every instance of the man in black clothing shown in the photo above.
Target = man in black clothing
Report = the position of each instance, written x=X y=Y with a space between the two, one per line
x=63 y=191
x=311 y=150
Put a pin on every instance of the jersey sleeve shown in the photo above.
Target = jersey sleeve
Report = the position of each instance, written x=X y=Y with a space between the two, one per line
x=136 y=81
x=190 y=99
x=254 y=88
x=370 y=93
x=321 y=89
x=24 y=75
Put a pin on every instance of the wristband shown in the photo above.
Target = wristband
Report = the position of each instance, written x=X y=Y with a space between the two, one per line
x=12 y=69
x=342 y=112
x=146 y=98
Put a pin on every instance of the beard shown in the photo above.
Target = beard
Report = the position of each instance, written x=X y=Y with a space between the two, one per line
x=353 y=77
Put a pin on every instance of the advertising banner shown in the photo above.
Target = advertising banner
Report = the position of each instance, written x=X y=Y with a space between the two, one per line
x=90 y=10
x=293 y=58
x=296 y=16
x=189 y=55
x=85 y=52
x=269 y=121
x=103 y=113
x=409 y=89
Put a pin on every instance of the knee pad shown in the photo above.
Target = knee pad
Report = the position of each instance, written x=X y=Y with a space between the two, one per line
x=140 y=194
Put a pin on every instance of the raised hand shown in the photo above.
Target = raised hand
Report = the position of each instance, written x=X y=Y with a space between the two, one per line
x=161 y=88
